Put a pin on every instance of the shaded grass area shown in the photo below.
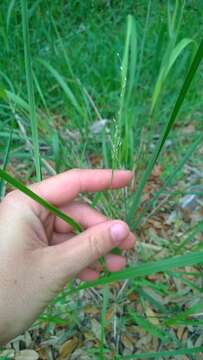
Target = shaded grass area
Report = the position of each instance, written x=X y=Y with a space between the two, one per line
x=86 y=73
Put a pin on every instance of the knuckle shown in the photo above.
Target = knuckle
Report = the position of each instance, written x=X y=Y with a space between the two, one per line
x=74 y=171
x=15 y=200
x=95 y=246
x=83 y=205
x=11 y=196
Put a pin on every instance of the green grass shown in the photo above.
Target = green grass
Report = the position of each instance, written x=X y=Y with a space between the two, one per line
x=30 y=88
x=138 y=65
x=18 y=185
x=142 y=270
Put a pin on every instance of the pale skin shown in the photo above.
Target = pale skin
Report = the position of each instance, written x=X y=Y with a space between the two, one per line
x=39 y=252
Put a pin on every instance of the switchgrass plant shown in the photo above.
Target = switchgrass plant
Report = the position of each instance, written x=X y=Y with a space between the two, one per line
x=142 y=105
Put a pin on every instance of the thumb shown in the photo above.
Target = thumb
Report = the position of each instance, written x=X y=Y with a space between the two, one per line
x=63 y=261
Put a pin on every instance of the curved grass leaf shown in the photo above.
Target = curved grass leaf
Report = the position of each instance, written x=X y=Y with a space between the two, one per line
x=5 y=160
x=9 y=12
x=17 y=100
x=169 y=182
x=18 y=185
x=63 y=84
x=33 y=8
x=7 y=80
x=141 y=270
x=180 y=99
x=146 y=325
x=191 y=73
x=195 y=309
x=197 y=228
x=157 y=355
x=142 y=47
x=167 y=67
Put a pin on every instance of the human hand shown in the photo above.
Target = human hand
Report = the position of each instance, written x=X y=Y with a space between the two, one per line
x=39 y=252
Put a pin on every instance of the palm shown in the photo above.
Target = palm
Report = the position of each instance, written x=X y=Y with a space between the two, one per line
x=53 y=231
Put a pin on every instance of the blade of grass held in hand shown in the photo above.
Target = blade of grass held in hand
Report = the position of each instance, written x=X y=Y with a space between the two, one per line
x=193 y=68
x=18 y=185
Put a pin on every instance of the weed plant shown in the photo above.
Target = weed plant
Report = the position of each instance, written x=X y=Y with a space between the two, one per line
x=80 y=71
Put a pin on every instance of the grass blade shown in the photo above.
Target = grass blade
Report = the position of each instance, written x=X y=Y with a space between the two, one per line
x=132 y=56
x=166 y=69
x=157 y=355
x=103 y=320
x=8 y=17
x=8 y=81
x=33 y=8
x=190 y=236
x=195 y=309
x=68 y=92
x=11 y=97
x=124 y=66
x=143 y=42
x=30 y=88
x=141 y=270
x=146 y=325
x=181 y=97
x=193 y=68
x=168 y=182
x=18 y=185
x=128 y=67
x=5 y=160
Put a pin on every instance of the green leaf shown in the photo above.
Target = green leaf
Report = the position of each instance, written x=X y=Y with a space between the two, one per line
x=191 y=73
x=106 y=294
x=18 y=185
x=167 y=67
x=169 y=182
x=17 y=100
x=157 y=355
x=196 y=308
x=145 y=324
x=30 y=89
x=192 y=232
x=63 y=84
x=185 y=87
x=141 y=270
x=5 y=160
x=3 y=94
x=9 y=12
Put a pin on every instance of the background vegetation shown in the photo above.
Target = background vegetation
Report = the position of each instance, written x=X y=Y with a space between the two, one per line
x=84 y=84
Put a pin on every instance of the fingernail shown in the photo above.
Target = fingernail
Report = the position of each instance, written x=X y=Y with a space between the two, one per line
x=119 y=232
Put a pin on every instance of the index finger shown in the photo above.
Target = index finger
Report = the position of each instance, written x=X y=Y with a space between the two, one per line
x=64 y=187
